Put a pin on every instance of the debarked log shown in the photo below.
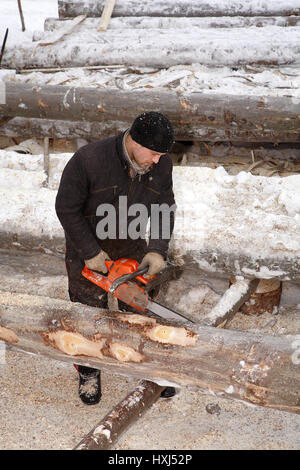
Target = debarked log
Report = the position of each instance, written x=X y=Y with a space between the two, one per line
x=251 y=367
x=71 y=8
x=208 y=116
x=214 y=47
x=148 y=22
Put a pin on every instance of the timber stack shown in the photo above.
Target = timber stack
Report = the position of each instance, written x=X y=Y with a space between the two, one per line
x=200 y=51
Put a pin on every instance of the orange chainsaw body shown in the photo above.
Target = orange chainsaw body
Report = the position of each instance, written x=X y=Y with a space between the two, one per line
x=128 y=292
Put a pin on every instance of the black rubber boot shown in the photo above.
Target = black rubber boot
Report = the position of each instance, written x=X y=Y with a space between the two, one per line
x=89 y=385
x=168 y=392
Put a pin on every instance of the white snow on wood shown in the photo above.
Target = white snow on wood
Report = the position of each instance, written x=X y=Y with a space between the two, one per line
x=194 y=7
x=229 y=299
x=211 y=46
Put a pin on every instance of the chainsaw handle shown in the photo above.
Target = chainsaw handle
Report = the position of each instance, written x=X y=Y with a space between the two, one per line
x=127 y=277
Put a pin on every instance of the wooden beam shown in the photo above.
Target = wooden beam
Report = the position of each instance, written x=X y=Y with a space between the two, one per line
x=246 y=366
x=120 y=418
x=106 y=15
x=71 y=8
x=194 y=115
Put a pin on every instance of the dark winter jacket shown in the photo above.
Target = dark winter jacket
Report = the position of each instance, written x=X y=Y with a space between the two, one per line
x=96 y=174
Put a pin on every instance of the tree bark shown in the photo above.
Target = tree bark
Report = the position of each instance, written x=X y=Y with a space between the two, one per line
x=109 y=429
x=71 y=8
x=195 y=116
x=251 y=367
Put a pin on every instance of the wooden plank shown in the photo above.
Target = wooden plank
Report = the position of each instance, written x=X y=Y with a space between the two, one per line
x=246 y=366
x=56 y=36
x=106 y=15
x=71 y=8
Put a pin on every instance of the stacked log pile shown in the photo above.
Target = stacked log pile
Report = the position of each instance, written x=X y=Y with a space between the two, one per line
x=235 y=36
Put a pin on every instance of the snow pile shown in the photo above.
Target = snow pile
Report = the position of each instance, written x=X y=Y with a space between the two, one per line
x=243 y=214
x=251 y=215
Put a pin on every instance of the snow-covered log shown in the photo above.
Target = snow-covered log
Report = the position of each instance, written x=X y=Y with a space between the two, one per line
x=70 y=8
x=214 y=47
x=195 y=116
x=150 y=22
x=254 y=368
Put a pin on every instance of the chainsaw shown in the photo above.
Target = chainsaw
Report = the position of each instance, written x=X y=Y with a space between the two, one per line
x=126 y=282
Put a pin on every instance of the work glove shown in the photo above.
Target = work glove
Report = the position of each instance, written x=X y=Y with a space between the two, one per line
x=98 y=262
x=155 y=261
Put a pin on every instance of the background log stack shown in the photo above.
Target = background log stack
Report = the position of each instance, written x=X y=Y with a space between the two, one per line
x=248 y=39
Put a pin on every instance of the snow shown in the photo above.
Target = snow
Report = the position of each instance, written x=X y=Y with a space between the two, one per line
x=250 y=215
x=34 y=12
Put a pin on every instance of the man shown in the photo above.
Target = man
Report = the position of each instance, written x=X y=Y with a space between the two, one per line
x=134 y=165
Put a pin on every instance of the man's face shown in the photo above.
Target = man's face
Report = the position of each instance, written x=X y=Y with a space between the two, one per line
x=145 y=157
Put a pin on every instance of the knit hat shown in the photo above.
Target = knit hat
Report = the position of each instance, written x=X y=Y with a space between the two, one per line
x=153 y=131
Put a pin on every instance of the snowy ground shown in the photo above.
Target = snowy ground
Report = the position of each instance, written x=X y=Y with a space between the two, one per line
x=40 y=408
x=216 y=211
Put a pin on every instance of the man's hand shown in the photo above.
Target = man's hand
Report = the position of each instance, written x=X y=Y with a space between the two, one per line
x=98 y=262
x=155 y=261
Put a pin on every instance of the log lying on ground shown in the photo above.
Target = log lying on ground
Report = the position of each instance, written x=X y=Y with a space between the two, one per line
x=146 y=22
x=70 y=8
x=59 y=129
x=195 y=114
x=251 y=367
x=109 y=429
x=212 y=46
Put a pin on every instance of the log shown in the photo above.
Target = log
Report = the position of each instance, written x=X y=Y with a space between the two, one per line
x=93 y=131
x=70 y=8
x=251 y=367
x=214 y=47
x=149 y=22
x=207 y=116
x=132 y=407
x=40 y=128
